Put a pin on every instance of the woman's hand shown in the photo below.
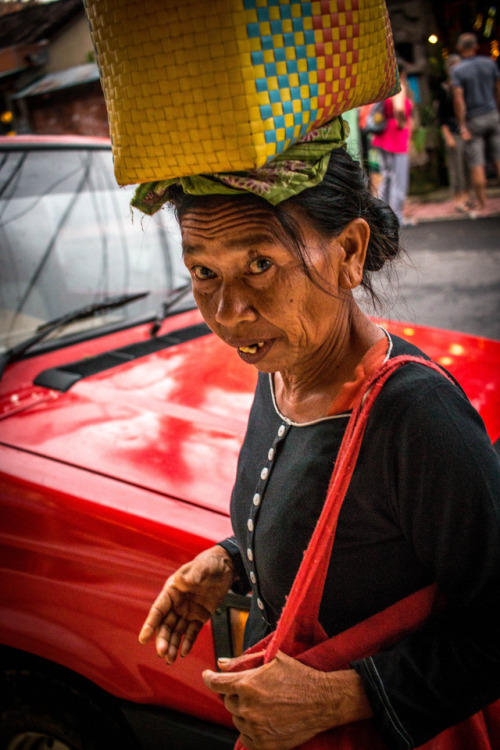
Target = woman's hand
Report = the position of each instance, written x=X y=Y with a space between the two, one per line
x=188 y=599
x=284 y=703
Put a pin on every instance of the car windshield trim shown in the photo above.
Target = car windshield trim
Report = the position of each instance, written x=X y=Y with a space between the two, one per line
x=87 y=311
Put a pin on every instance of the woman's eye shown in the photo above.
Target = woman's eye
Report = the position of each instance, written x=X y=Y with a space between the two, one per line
x=202 y=273
x=260 y=265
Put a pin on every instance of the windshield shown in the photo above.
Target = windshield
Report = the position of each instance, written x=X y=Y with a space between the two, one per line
x=68 y=239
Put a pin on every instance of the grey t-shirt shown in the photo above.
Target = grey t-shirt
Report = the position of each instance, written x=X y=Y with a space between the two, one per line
x=477 y=77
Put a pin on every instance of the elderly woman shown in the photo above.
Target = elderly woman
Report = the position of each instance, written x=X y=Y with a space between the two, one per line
x=276 y=282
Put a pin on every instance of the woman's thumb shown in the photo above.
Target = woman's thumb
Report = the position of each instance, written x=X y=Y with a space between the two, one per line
x=224 y=664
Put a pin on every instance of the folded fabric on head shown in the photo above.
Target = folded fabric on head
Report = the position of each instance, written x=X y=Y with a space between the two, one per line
x=299 y=167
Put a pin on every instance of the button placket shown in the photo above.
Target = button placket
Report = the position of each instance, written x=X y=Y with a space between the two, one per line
x=260 y=489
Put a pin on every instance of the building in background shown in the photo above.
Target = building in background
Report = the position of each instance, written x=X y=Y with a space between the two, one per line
x=49 y=81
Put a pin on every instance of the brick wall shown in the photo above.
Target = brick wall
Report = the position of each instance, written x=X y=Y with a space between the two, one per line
x=78 y=111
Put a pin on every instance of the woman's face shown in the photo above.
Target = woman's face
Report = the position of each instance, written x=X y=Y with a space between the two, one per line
x=252 y=290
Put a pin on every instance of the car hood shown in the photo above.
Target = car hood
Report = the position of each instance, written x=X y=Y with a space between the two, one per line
x=172 y=421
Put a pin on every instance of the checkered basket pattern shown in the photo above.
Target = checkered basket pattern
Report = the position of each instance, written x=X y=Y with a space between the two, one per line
x=204 y=86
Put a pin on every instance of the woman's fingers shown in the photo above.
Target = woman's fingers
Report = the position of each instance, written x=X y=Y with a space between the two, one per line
x=155 y=617
x=175 y=639
x=170 y=634
x=190 y=637
x=165 y=631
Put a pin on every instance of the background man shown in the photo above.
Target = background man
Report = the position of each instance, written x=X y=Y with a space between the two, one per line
x=476 y=97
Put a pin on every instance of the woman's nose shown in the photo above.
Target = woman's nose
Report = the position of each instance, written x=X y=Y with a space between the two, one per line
x=234 y=306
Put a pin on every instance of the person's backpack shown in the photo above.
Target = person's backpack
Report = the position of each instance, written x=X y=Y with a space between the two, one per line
x=376 y=121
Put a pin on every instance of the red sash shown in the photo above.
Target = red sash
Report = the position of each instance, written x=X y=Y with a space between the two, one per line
x=299 y=634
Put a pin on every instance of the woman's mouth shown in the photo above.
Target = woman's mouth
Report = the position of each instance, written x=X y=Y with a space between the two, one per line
x=252 y=349
x=252 y=353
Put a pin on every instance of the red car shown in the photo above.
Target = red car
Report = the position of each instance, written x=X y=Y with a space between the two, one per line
x=121 y=421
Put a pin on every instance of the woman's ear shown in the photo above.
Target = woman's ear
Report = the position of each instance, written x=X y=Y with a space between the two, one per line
x=354 y=240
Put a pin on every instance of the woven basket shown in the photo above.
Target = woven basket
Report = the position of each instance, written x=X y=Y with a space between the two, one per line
x=203 y=86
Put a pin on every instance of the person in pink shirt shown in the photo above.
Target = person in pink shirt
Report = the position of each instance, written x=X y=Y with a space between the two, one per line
x=393 y=147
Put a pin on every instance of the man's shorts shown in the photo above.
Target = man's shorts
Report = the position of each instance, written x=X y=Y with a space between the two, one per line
x=485 y=131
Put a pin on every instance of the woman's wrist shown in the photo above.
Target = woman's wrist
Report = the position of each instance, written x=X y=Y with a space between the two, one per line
x=227 y=561
x=347 y=701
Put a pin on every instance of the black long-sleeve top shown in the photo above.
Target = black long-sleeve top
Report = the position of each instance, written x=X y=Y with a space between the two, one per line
x=423 y=506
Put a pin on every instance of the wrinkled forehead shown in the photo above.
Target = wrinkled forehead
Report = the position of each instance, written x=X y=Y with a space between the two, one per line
x=226 y=221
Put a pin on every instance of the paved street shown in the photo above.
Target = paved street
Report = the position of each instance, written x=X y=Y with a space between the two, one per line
x=450 y=277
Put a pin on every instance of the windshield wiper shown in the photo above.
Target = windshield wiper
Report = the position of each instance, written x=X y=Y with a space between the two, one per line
x=174 y=297
x=81 y=313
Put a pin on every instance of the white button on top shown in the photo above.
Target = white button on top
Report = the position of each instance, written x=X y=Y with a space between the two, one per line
x=270 y=455
x=249 y=554
x=256 y=499
x=250 y=524
x=281 y=431
x=253 y=577
x=264 y=473
x=260 y=604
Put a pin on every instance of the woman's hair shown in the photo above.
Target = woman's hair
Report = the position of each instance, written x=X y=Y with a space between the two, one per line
x=342 y=196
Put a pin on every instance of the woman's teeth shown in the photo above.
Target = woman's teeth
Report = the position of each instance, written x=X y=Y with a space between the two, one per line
x=251 y=349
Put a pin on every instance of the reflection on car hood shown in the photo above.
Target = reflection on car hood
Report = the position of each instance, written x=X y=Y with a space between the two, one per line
x=171 y=422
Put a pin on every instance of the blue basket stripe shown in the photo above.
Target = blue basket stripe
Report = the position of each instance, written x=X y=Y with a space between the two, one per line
x=257 y=58
x=266 y=111
x=274 y=44
x=253 y=30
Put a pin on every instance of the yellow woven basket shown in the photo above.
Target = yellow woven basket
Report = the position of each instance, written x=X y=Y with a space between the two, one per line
x=203 y=86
